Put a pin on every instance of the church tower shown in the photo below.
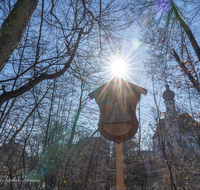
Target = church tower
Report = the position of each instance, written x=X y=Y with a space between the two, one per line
x=168 y=96
x=167 y=130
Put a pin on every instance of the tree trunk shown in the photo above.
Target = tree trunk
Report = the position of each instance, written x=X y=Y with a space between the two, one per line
x=14 y=27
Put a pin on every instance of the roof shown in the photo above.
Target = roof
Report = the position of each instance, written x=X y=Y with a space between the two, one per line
x=185 y=123
x=115 y=81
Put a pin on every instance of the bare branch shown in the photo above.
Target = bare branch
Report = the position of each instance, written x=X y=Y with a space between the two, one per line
x=187 y=30
x=186 y=71
x=12 y=94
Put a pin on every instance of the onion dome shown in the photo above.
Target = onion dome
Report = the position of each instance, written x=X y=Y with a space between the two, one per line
x=168 y=94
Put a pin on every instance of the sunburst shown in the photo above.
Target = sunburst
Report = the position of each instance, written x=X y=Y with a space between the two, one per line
x=118 y=67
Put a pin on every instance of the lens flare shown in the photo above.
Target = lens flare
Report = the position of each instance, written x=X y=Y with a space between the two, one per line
x=162 y=6
x=59 y=143
x=136 y=44
x=89 y=102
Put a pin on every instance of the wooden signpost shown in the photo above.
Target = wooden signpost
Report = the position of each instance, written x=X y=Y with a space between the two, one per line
x=117 y=100
x=119 y=164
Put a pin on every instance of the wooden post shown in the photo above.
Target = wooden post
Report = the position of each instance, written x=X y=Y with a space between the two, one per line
x=119 y=165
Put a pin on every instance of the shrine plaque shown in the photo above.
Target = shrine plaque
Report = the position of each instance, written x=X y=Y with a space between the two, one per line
x=117 y=130
x=117 y=101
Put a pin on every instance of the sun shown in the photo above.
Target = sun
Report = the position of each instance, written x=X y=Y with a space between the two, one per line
x=118 y=67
